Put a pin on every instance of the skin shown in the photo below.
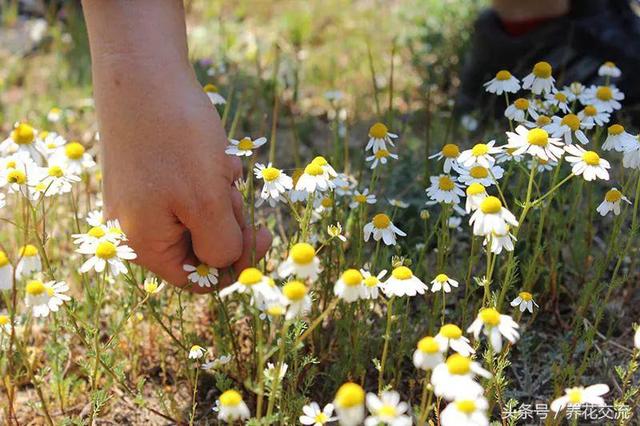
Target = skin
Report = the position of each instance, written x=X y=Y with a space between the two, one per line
x=166 y=176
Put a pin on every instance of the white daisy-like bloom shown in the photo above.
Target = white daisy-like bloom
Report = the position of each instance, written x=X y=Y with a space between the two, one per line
x=495 y=326
x=558 y=99
x=456 y=376
x=197 y=352
x=507 y=155
x=350 y=286
x=485 y=176
x=301 y=262
x=152 y=285
x=232 y=407
x=587 y=163
x=349 y=404
x=345 y=184
x=542 y=165
x=398 y=203
x=216 y=363
x=95 y=218
x=5 y=328
x=55 y=180
x=611 y=203
x=535 y=142
x=202 y=274
x=314 y=178
x=618 y=139
x=604 y=98
x=20 y=177
x=23 y=138
x=244 y=147
x=29 y=262
x=492 y=217
x=428 y=353
x=466 y=411
x=362 y=198
x=314 y=416
x=577 y=396
x=51 y=141
x=591 y=115
x=542 y=121
x=94 y=236
x=481 y=154
x=106 y=254
x=498 y=242
x=381 y=227
x=380 y=157
x=450 y=336
x=6 y=272
x=443 y=282
x=74 y=157
x=371 y=283
x=379 y=137
x=298 y=300
x=253 y=281
x=54 y=115
x=631 y=158
x=212 y=93
x=609 y=69
x=3 y=200
x=450 y=152
x=329 y=171
x=476 y=192
x=47 y=297
x=568 y=126
x=503 y=82
x=444 y=189
x=276 y=183
x=524 y=301
x=335 y=231
x=387 y=409
x=574 y=91
x=402 y=282
x=540 y=79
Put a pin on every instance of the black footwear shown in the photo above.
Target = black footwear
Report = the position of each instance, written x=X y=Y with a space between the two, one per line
x=575 y=45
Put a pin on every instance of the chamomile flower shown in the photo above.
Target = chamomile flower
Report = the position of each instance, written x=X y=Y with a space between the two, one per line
x=450 y=336
x=302 y=262
x=6 y=272
x=20 y=177
x=232 y=407
x=379 y=137
x=47 y=297
x=507 y=154
x=244 y=147
x=95 y=218
x=276 y=183
x=52 y=142
x=542 y=165
x=345 y=184
x=428 y=353
x=587 y=163
x=371 y=283
x=524 y=301
x=591 y=115
x=481 y=154
x=387 y=410
x=520 y=110
x=349 y=404
x=216 y=363
x=335 y=231
x=558 y=99
x=56 y=179
x=540 y=79
x=535 y=142
x=576 y=396
x=54 y=115
x=74 y=157
x=328 y=170
x=450 y=152
x=503 y=82
x=381 y=227
x=567 y=127
x=151 y=285
x=380 y=157
x=611 y=203
x=476 y=192
x=631 y=157
x=93 y=236
x=197 y=352
x=5 y=327
x=349 y=286
x=542 y=121
x=362 y=198
x=314 y=178
x=402 y=282
x=457 y=376
x=214 y=96
x=203 y=274
x=23 y=139
x=604 y=98
x=252 y=281
x=491 y=216
x=574 y=91
x=486 y=176
x=444 y=189
x=398 y=203
x=495 y=326
x=314 y=416
x=609 y=69
x=106 y=254
x=298 y=300
x=618 y=139
x=466 y=410
x=29 y=262
x=498 y=242
x=443 y=282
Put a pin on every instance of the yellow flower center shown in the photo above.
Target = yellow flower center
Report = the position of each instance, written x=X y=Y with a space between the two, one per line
x=270 y=174
x=615 y=130
x=349 y=395
x=560 y=97
x=503 y=75
x=275 y=310
x=526 y=296
x=475 y=189
x=245 y=144
x=35 y=288
x=575 y=395
x=572 y=121
x=23 y=134
x=491 y=205
x=371 y=281
x=604 y=93
x=382 y=153
x=210 y=88
x=479 y=172
x=326 y=202
x=302 y=253
x=543 y=120
x=4 y=260
x=428 y=345
x=479 y=149
x=4 y=320
x=230 y=398
x=28 y=251
x=442 y=278
x=106 y=250
x=402 y=273
x=591 y=158
x=612 y=196
x=445 y=183
x=466 y=406
x=43 y=135
x=96 y=232
x=151 y=285
x=542 y=70
x=250 y=276
x=458 y=364
x=378 y=131
x=56 y=171
x=321 y=418
x=16 y=176
x=294 y=290
x=360 y=198
x=450 y=150
x=352 y=277
x=387 y=411
x=521 y=104
x=313 y=169
x=590 y=111
x=381 y=221
x=451 y=331
x=11 y=164
x=320 y=161
x=74 y=150
x=538 y=137
x=490 y=316
x=202 y=270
